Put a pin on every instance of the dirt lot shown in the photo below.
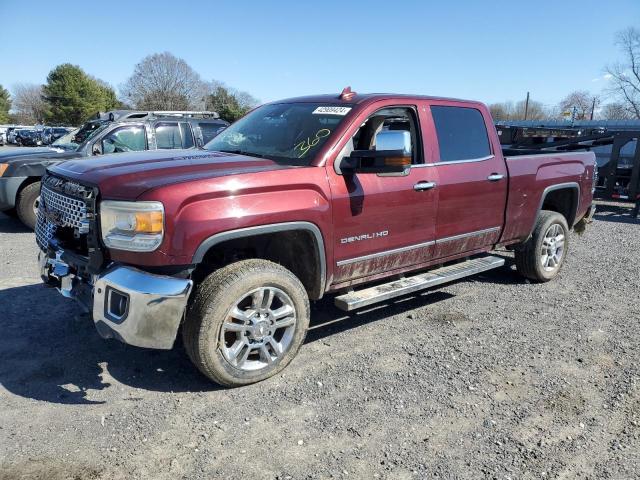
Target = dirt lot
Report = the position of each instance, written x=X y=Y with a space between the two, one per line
x=487 y=378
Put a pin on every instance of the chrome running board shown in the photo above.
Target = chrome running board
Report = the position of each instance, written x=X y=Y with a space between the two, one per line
x=380 y=293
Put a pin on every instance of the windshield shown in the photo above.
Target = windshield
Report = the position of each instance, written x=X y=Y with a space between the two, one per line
x=87 y=131
x=288 y=133
x=66 y=141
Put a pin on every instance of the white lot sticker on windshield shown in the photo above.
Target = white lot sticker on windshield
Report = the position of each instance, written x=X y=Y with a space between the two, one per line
x=331 y=110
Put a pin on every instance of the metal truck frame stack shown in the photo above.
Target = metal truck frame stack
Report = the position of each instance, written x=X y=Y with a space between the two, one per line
x=614 y=183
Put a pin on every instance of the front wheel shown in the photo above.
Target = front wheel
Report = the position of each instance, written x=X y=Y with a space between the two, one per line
x=542 y=256
x=27 y=204
x=246 y=323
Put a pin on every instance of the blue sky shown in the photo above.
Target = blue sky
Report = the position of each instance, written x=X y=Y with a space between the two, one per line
x=489 y=51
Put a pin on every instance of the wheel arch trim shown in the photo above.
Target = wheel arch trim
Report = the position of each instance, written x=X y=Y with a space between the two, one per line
x=562 y=186
x=312 y=228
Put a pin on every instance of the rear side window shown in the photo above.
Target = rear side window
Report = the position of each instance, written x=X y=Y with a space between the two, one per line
x=210 y=130
x=462 y=133
x=168 y=135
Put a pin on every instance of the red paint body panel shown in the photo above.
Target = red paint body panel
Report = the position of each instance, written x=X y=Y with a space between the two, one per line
x=467 y=201
x=530 y=175
x=374 y=205
x=205 y=193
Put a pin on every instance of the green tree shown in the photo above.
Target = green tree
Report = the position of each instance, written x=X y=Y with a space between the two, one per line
x=73 y=96
x=5 y=105
x=229 y=103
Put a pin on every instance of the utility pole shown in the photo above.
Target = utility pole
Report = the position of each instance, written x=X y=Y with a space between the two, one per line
x=593 y=107
x=526 y=106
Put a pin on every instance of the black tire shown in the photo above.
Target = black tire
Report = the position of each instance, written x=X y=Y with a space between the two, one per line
x=27 y=204
x=529 y=257
x=210 y=309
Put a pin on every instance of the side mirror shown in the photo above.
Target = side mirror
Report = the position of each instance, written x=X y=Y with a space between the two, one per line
x=96 y=149
x=392 y=155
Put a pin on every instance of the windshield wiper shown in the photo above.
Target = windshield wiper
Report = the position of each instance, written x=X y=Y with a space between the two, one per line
x=243 y=152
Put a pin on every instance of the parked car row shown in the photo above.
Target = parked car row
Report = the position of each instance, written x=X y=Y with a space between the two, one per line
x=31 y=136
x=112 y=132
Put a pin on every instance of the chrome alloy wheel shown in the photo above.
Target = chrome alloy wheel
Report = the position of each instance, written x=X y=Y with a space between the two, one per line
x=258 y=329
x=552 y=248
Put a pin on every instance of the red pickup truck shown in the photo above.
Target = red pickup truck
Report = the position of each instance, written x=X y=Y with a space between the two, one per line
x=365 y=197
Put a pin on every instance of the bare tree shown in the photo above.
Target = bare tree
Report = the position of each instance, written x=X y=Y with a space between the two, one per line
x=625 y=75
x=582 y=101
x=515 y=111
x=28 y=103
x=164 y=82
x=616 y=111
x=500 y=111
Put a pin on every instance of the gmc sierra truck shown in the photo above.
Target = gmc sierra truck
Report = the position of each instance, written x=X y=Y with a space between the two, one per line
x=364 y=197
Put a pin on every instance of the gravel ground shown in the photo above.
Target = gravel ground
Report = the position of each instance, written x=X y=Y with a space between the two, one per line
x=491 y=377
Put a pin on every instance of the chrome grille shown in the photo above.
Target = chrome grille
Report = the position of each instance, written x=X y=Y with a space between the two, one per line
x=45 y=230
x=59 y=210
x=71 y=212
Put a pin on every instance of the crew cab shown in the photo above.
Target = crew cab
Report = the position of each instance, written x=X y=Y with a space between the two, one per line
x=111 y=132
x=362 y=197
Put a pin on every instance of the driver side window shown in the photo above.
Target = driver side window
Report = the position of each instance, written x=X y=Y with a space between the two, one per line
x=124 y=139
x=386 y=119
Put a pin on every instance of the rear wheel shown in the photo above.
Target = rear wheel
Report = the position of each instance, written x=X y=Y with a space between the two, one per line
x=247 y=322
x=542 y=256
x=27 y=204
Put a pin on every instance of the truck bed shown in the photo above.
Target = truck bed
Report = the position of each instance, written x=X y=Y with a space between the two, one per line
x=531 y=174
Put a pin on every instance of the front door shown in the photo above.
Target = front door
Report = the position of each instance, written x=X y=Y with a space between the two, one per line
x=383 y=222
x=472 y=188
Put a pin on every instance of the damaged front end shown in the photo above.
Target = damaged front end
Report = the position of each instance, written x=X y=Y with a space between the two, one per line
x=134 y=306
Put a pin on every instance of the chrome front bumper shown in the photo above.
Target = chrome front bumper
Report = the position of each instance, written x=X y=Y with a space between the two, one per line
x=134 y=306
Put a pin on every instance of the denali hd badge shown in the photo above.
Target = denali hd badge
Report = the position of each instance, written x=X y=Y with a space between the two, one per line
x=364 y=236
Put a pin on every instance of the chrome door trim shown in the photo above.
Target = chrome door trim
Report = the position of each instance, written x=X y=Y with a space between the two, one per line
x=349 y=261
x=453 y=162
x=467 y=235
x=371 y=256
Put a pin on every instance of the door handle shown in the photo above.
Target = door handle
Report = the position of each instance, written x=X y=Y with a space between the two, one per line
x=494 y=177
x=421 y=186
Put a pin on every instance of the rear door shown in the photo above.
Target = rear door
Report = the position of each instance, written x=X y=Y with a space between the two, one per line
x=472 y=188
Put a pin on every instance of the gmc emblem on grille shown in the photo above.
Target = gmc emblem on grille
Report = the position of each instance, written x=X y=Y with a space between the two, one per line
x=53 y=216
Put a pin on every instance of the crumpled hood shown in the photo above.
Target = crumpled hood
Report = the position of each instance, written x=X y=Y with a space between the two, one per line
x=128 y=175
x=29 y=162
x=24 y=151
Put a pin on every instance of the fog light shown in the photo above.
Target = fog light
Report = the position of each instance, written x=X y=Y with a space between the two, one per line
x=116 y=306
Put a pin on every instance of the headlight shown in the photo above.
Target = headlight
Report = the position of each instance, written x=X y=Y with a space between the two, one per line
x=134 y=226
